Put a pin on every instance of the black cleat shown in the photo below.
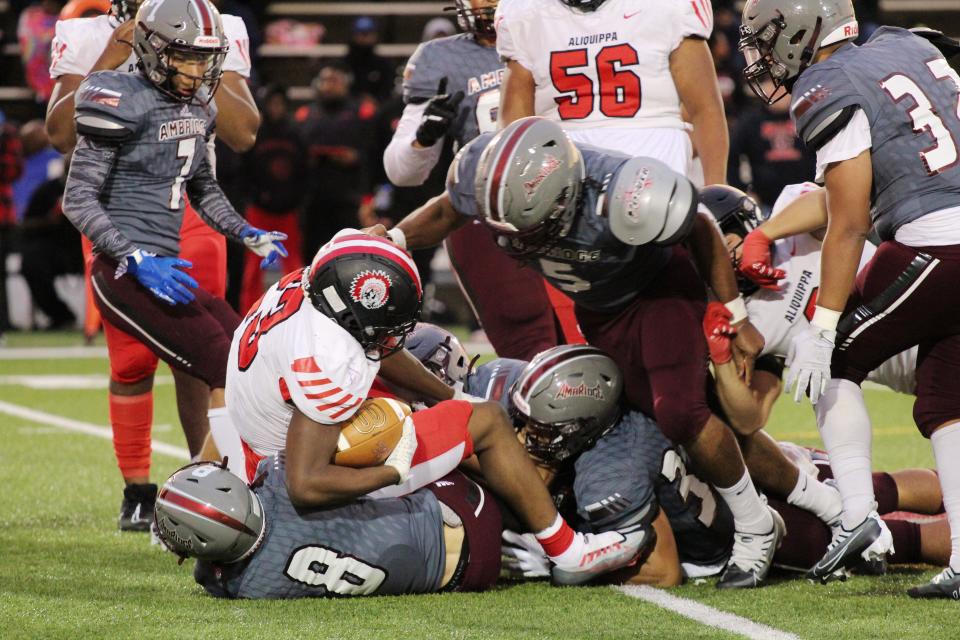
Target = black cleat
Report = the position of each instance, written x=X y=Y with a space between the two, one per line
x=136 y=510
x=846 y=551
x=752 y=556
x=945 y=584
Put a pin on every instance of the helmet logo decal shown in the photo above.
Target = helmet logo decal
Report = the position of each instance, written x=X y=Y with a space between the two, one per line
x=371 y=289
x=580 y=391
x=548 y=165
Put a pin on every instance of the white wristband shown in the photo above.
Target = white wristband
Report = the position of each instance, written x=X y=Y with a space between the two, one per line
x=738 y=308
x=399 y=237
x=824 y=318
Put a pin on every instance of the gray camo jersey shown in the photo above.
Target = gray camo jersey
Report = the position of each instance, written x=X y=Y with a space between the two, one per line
x=138 y=152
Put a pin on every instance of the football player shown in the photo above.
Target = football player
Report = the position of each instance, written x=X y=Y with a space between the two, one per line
x=77 y=50
x=608 y=230
x=617 y=470
x=451 y=87
x=254 y=543
x=303 y=361
x=884 y=119
x=614 y=74
x=141 y=143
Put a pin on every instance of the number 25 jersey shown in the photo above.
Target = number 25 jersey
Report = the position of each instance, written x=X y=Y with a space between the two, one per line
x=602 y=68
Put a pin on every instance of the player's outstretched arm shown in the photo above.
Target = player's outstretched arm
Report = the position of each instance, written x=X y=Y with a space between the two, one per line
x=691 y=66
x=806 y=214
x=425 y=227
x=313 y=481
x=518 y=94
x=238 y=118
x=210 y=202
x=404 y=370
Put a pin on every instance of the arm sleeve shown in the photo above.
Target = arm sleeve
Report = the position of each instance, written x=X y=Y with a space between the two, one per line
x=695 y=20
x=238 y=55
x=847 y=143
x=325 y=394
x=89 y=168
x=406 y=165
x=208 y=199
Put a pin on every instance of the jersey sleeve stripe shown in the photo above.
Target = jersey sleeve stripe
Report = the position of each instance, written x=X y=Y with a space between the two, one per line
x=284 y=391
x=347 y=408
x=305 y=365
x=324 y=394
x=696 y=9
x=314 y=383
x=339 y=402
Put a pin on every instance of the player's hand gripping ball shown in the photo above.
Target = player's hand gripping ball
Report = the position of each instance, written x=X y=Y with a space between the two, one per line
x=368 y=438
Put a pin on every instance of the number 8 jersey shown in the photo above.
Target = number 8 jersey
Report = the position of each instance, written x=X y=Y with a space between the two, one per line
x=607 y=68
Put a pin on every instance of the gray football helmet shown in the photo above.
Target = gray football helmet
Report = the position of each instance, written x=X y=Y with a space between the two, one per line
x=440 y=352
x=528 y=183
x=649 y=202
x=181 y=29
x=204 y=511
x=566 y=397
x=780 y=38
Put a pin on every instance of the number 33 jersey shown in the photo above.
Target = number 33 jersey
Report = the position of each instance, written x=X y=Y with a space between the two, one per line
x=602 y=68
x=161 y=146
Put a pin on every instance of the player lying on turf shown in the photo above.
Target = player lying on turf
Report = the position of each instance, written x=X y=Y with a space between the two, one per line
x=254 y=543
x=303 y=361
x=616 y=469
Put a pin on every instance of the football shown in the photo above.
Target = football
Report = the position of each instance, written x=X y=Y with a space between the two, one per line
x=367 y=438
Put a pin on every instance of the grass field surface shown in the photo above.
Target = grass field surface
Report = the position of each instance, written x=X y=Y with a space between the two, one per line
x=66 y=572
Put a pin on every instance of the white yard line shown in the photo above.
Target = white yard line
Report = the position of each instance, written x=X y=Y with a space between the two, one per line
x=705 y=615
x=68 y=382
x=51 y=353
x=77 y=426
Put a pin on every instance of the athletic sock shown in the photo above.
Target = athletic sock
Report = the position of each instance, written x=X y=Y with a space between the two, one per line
x=227 y=439
x=750 y=515
x=847 y=434
x=946 y=451
x=559 y=542
x=131 y=418
x=814 y=496
x=906 y=540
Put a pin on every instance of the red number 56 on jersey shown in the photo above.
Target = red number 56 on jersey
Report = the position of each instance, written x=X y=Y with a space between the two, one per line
x=619 y=87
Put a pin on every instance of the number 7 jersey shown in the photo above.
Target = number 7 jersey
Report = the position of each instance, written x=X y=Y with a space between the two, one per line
x=606 y=68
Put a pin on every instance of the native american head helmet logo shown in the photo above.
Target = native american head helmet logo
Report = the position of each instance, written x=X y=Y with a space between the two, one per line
x=371 y=289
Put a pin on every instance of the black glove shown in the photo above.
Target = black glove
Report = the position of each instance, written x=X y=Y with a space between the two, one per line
x=439 y=114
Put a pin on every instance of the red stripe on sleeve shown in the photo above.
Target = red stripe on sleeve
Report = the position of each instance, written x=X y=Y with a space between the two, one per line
x=323 y=394
x=305 y=365
x=345 y=409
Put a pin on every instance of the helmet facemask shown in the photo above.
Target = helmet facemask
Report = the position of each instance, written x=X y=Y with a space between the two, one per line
x=540 y=237
x=552 y=444
x=739 y=220
x=771 y=59
x=173 y=55
x=124 y=10
x=476 y=21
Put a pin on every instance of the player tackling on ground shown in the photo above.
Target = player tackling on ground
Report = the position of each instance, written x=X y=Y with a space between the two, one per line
x=884 y=118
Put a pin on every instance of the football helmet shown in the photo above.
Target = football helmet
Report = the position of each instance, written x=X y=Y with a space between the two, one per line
x=168 y=31
x=737 y=214
x=528 y=183
x=204 y=511
x=124 y=10
x=584 y=5
x=440 y=352
x=370 y=287
x=780 y=39
x=566 y=398
x=478 y=21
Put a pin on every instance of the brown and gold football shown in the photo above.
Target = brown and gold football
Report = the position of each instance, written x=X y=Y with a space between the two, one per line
x=367 y=438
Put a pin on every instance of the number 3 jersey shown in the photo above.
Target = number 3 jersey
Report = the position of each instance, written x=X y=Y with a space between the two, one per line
x=911 y=99
x=287 y=354
x=369 y=547
x=606 y=68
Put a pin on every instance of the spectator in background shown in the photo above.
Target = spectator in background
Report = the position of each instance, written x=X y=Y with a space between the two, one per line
x=437 y=28
x=372 y=74
x=275 y=177
x=41 y=162
x=50 y=247
x=766 y=139
x=11 y=166
x=336 y=131
x=35 y=33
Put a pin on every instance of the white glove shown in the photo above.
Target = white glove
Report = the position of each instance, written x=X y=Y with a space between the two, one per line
x=402 y=454
x=523 y=557
x=809 y=362
x=266 y=244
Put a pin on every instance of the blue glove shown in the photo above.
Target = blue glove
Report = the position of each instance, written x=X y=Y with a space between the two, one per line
x=266 y=244
x=162 y=276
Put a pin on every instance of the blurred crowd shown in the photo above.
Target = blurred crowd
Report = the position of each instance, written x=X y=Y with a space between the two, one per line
x=316 y=167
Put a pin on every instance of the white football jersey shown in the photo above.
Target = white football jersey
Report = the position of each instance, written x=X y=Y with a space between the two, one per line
x=287 y=354
x=781 y=315
x=607 y=68
x=78 y=43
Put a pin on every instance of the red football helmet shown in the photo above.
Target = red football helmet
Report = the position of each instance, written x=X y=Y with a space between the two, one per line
x=370 y=287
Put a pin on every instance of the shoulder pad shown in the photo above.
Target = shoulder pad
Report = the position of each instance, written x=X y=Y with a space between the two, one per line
x=647 y=201
x=462 y=174
x=826 y=101
x=423 y=72
x=107 y=105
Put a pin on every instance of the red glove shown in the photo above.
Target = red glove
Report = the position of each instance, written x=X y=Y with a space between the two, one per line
x=719 y=332
x=755 y=261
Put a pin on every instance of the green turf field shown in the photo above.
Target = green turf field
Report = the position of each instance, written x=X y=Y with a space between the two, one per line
x=65 y=572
